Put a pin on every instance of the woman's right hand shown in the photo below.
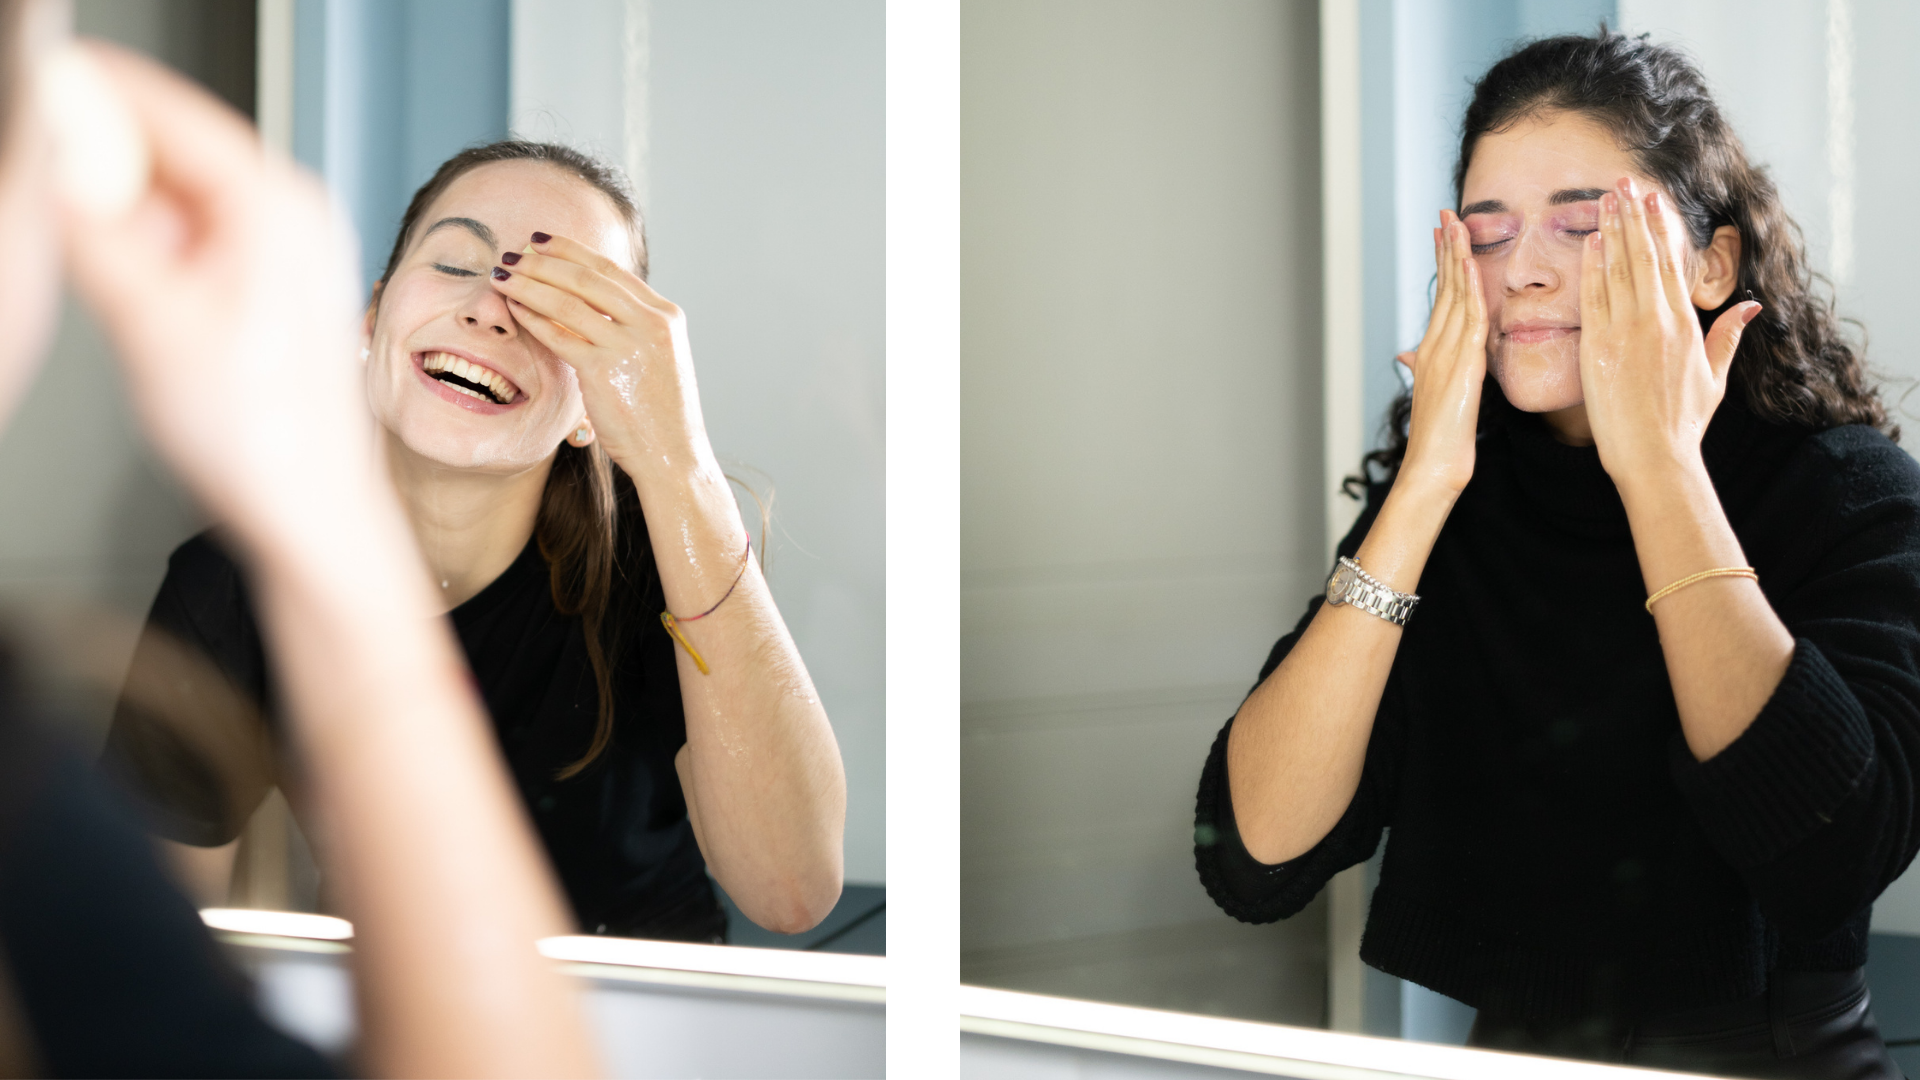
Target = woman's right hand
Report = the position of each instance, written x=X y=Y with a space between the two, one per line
x=227 y=288
x=1299 y=742
x=1448 y=368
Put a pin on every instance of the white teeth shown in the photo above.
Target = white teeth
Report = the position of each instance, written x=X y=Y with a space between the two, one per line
x=438 y=362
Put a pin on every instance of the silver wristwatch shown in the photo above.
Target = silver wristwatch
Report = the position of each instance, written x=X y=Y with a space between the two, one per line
x=1348 y=584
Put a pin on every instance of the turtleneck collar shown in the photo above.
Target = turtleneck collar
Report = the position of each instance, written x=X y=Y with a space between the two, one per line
x=1570 y=486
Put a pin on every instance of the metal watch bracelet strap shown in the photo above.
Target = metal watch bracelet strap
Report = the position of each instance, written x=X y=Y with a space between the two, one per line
x=1348 y=584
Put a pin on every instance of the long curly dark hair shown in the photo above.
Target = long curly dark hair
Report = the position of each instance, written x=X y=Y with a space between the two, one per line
x=1794 y=366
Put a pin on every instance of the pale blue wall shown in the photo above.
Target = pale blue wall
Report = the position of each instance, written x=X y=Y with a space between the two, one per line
x=385 y=90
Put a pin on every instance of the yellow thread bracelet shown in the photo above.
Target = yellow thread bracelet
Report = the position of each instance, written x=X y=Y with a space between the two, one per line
x=672 y=624
x=673 y=627
x=1723 y=571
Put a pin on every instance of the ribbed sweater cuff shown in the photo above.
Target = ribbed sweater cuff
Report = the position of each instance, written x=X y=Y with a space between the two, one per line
x=1243 y=886
x=1788 y=773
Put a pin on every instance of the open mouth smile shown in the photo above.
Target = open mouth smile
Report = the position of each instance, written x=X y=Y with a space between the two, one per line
x=461 y=375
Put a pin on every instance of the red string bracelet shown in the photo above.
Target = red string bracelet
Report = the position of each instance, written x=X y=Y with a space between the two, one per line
x=672 y=624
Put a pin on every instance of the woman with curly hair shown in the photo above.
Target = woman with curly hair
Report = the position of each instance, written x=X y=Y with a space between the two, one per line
x=1624 y=650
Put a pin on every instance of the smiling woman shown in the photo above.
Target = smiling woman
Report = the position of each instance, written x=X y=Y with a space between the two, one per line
x=544 y=431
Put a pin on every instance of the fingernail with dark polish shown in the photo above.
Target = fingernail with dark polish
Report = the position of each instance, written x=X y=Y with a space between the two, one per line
x=541 y=238
x=511 y=258
x=500 y=274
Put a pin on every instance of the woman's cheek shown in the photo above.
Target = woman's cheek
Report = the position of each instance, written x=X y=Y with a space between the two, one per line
x=1490 y=291
x=560 y=385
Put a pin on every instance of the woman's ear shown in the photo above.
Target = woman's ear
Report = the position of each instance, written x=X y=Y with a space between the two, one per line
x=1719 y=267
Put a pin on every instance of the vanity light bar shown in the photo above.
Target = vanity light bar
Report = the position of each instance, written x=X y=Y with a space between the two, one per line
x=1251 y=1047
x=816 y=967
x=845 y=969
x=293 y=924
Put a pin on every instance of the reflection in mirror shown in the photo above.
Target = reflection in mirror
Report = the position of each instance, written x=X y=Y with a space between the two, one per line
x=830 y=1010
x=1570 y=820
x=478 y=410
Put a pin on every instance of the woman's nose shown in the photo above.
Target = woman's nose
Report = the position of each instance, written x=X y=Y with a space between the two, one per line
x=488 y=310
x=1530 y=265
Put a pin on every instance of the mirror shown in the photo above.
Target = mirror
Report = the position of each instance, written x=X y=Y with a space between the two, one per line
x=752 y=135
x=1153 y=433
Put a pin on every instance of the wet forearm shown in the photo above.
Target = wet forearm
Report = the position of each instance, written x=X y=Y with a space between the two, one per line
x=1725 y=648
x=761 y=769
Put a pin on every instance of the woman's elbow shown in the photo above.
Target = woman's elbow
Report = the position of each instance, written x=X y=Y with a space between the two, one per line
x=795 y=906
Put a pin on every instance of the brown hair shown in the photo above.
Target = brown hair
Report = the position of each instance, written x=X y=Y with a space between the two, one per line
x=590 y=529
x=1794 y=366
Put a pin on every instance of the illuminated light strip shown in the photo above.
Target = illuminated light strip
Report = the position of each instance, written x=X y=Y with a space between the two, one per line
x=1262 y=1048
x=293 y=924
x=791 y=964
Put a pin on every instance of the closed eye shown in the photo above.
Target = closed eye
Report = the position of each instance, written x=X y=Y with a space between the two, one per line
x=455 y=271
x=1492 y=245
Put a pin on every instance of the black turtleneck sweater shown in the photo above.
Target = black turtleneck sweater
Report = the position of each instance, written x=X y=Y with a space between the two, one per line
x=1556 y=852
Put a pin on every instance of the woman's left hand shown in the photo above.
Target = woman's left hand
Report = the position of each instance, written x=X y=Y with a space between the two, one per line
x=627 y=342
x=1651 y=378
x=761 y=771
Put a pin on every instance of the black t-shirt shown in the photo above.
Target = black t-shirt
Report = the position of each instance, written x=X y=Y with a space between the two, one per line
x=617 y=833
x=105 y=969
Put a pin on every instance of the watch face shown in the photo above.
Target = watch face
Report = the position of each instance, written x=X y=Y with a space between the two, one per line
x=1338 y=584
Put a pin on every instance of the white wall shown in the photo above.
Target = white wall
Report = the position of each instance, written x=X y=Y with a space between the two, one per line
x=1140 y=434
x=579 y=76
x=766 y=221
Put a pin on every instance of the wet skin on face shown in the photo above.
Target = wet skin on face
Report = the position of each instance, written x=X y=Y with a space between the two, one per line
x=1529 y=201
x=450 y=374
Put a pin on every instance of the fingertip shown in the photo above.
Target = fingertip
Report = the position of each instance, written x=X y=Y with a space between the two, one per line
x=1751 y=313
x=103 y=163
